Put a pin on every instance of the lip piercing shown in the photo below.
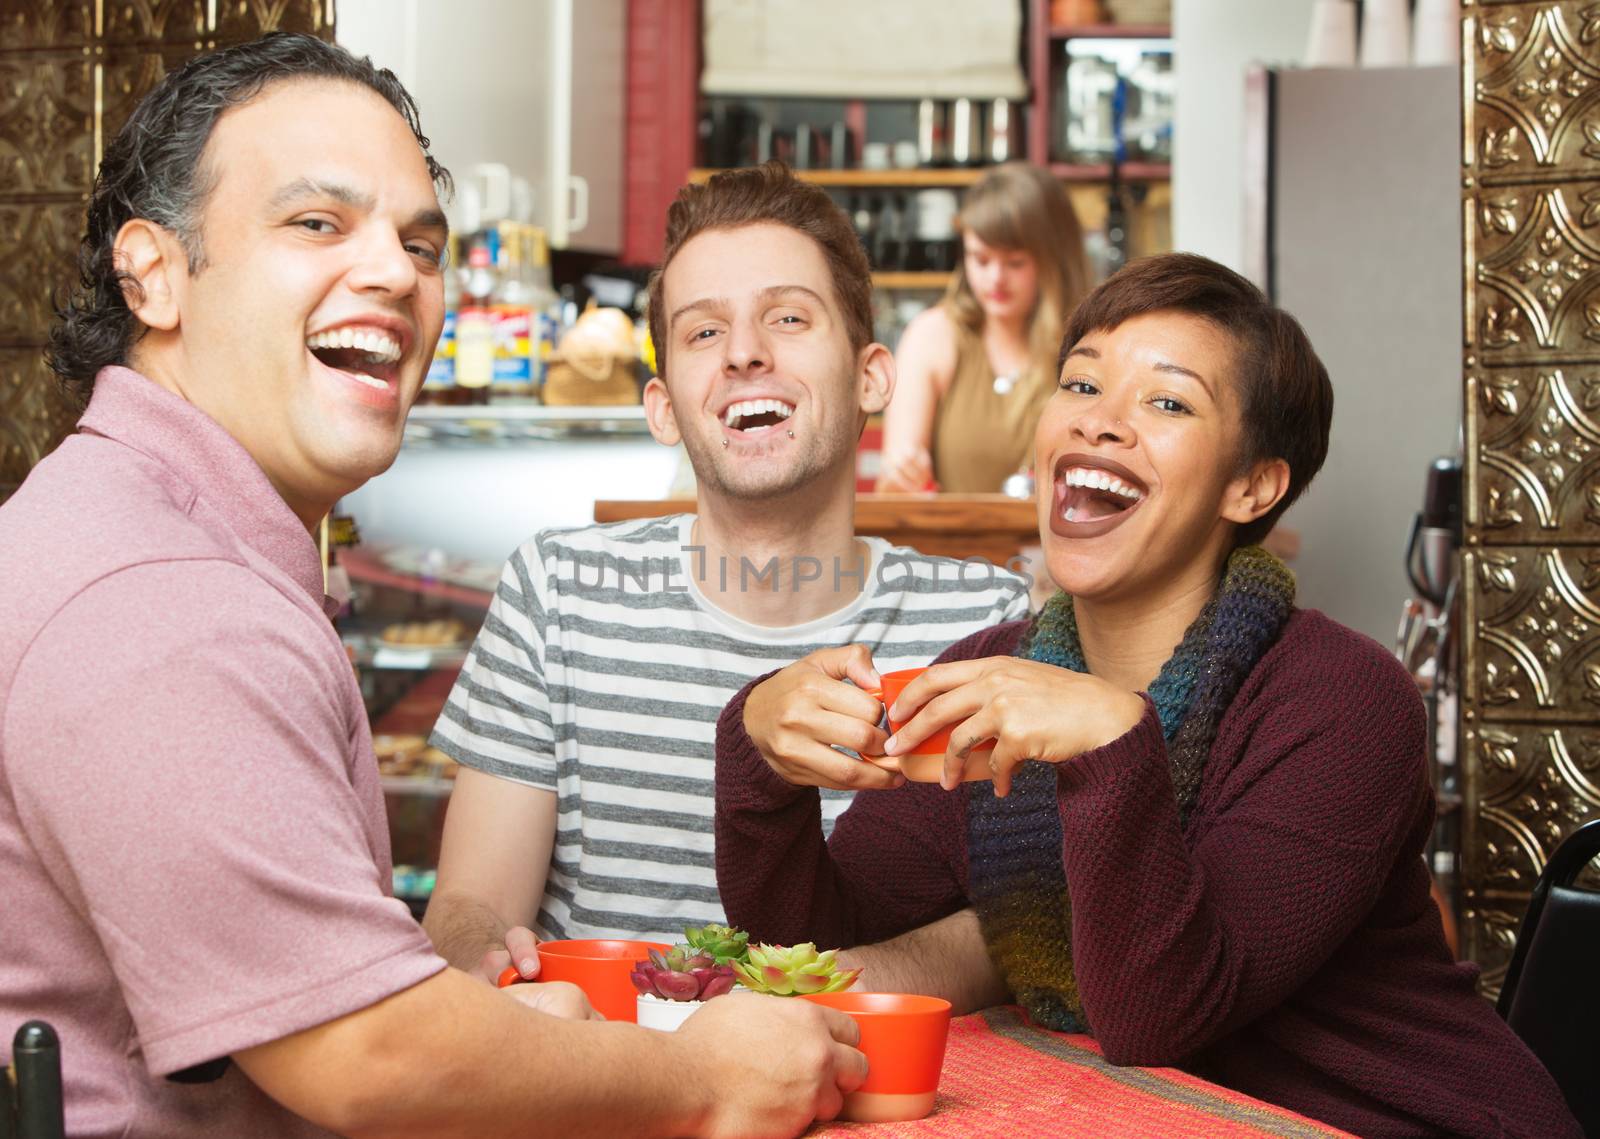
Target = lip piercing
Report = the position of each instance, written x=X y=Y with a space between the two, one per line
x=791 y=434
x=724 y=442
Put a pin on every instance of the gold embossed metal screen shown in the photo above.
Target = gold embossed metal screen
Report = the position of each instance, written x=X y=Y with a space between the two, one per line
x=70 y=72
x=1531 y=574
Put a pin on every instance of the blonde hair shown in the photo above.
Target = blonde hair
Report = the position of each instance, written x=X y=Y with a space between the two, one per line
x=1018 y=206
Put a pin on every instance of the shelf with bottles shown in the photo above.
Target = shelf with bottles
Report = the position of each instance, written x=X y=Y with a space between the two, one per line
x=908 y=142
x=1109 y=98
x=502 y=317
x=912 y=244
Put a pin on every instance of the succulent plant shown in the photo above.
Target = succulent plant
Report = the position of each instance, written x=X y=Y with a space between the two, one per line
x=724 y=943
x=793 y=970
x=681 y=974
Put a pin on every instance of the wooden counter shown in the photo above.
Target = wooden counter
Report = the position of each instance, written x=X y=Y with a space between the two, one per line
x=989 y=526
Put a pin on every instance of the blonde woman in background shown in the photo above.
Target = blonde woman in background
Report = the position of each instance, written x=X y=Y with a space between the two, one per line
x=976 y=369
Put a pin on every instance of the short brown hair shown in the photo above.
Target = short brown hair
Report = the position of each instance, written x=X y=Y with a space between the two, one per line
x=769 y=193
x=1286 y=399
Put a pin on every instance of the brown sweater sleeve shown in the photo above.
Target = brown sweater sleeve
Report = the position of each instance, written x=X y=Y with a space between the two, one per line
x=1312 y=798
x=896 y=860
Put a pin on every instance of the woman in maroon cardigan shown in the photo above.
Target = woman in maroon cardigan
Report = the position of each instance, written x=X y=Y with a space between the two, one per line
x=1201 y=839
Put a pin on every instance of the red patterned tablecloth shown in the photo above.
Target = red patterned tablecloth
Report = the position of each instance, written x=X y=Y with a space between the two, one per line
x=1006 y=1079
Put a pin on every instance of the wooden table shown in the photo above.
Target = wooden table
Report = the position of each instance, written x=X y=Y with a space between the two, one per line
x=989 y=526
x=1004 y=1079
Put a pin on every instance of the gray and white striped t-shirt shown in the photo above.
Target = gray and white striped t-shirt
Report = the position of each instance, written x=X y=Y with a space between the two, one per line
x=600 y=673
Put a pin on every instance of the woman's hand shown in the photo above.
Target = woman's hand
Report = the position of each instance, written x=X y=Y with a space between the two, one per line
x=1031 y=711
x=910 y=472
x=796 y=715
x=558 y=998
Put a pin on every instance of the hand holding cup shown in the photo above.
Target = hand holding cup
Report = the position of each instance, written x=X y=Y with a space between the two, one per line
x=797 y=715
x=1029 y=710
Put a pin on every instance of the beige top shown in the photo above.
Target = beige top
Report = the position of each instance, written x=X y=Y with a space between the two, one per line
x=979 y=435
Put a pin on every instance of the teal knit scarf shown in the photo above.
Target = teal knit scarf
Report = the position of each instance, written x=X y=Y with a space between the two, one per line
x=1014 y=844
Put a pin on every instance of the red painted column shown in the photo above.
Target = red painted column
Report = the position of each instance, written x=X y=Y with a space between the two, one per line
x=662 y=112
x=1039 y=79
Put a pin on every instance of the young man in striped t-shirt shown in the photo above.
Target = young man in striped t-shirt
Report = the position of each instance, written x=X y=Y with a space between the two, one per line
x=585 y=716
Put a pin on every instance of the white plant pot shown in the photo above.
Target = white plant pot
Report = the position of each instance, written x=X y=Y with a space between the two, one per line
x=665 y=1015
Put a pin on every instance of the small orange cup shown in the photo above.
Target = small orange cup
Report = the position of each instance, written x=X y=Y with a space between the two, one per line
x=598 y=966
x=926 y=763
x=903 y=1037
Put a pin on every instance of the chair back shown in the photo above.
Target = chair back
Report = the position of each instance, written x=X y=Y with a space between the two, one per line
x=1551 y=995
x=33 y=1104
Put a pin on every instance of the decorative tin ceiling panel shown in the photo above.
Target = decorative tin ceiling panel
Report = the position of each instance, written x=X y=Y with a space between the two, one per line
x=71 y=71
x=1531 y=573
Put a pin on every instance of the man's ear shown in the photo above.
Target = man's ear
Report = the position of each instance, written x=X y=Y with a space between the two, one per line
x=1257 y=491
x=658 y=412
x=877 y=378
x=157 y=266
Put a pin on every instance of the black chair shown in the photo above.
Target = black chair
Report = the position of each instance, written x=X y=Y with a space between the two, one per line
x=32 y=1107
x=1551 y=995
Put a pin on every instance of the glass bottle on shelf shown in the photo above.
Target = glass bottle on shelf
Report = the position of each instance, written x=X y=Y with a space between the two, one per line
x=515 y=337
x=438 y=386
x=475 y=325
x=545 y=300
x=889 y=238
x=863 y=218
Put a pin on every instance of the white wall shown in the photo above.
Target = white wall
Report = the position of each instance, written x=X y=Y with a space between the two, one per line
x=1215 y=41
x=494 y=83
x=1368 y=256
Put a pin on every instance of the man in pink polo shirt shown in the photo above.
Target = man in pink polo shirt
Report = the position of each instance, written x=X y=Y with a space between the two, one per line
x=192 y=847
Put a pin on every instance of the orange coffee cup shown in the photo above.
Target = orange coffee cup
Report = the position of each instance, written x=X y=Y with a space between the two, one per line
x=903 y=1037
x=598 y=966
x=926 y=763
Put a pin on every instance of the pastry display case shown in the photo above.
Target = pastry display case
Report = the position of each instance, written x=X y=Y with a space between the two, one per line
x=423 y=551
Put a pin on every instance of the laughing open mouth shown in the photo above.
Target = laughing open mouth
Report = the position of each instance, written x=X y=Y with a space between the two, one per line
x=367 y=355
x=1092 y=495
x=756 y=414
x=1088 y=495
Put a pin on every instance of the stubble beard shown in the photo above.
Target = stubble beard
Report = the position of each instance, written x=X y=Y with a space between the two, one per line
x=717 y=471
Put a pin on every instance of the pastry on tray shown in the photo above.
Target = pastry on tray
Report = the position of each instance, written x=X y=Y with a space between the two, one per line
x=425 y=634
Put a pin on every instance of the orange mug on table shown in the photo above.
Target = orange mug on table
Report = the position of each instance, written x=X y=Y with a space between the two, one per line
x=903 y=1037
x=598 y=966
x=926 y=763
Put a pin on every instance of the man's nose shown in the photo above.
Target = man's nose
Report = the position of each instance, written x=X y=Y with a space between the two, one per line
x=747 y=349
x=384 y=265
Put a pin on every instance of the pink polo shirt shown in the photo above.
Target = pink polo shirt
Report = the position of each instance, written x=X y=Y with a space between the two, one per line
x=193 y=853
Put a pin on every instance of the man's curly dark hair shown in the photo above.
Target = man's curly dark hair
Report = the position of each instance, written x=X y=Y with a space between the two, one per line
x=153 y=169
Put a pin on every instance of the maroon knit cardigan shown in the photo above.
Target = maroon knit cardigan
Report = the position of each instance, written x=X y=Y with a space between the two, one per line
x=1283 y=942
